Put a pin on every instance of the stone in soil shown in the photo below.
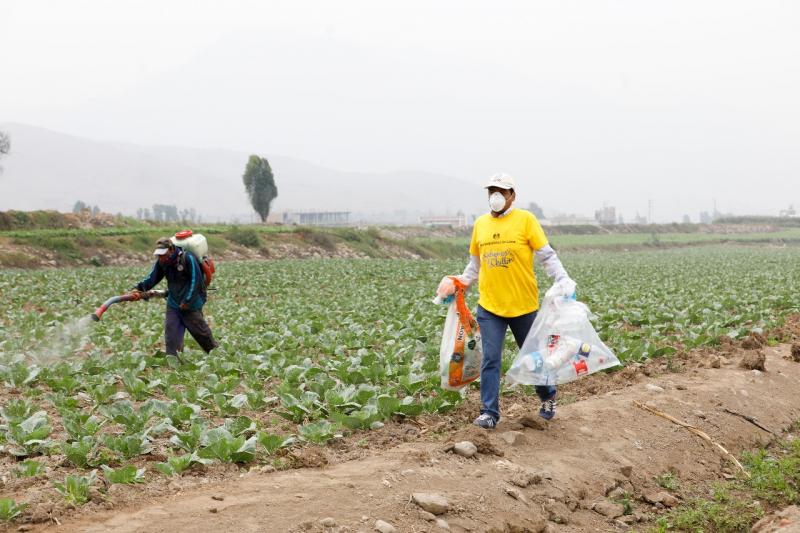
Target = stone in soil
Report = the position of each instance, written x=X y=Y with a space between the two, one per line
x=328 y=522
x=609 y=509
x=557 y=512
x=384 y=527
x=525 y=479
x=433 y=503
x=654 y=388
x=618 y=492
x=626 y=470
x=465 y=449
x=517 y=495
x=514 y=438
x=753 y=361
x=660 y=498
x=786 y=520
x=442 y=524
x=428 y=517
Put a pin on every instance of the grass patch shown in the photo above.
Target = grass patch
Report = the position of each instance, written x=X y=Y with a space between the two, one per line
x=668 y=481
x=62 y=247
x=736 y=506
x=247 y=237
x=724 y=512
x=775 y=478
x=17 y=260
x=317 y=238
x=455 y=248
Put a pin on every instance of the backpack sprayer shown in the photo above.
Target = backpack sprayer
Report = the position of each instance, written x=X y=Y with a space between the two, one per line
x=130 y=297
x=186 y=239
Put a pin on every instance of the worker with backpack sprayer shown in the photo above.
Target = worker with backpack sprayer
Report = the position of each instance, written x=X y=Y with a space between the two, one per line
x=183 y=261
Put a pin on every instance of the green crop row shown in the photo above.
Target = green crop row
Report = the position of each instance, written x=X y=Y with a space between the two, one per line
x=313 y=349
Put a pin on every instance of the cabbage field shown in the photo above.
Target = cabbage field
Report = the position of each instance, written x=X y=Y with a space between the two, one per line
x=308 y=350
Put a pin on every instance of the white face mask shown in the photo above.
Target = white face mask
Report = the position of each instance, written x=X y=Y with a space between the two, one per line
x=497 y=202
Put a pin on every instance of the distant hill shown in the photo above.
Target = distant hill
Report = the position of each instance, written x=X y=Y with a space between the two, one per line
x=51 y=170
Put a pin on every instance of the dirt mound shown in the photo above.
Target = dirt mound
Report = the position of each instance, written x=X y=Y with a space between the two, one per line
x=593 y=468
x=753 y=361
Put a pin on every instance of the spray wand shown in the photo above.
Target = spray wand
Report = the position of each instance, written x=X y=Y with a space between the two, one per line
x=129 y=297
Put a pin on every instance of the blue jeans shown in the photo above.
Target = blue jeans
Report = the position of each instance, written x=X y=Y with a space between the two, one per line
x=493 y=334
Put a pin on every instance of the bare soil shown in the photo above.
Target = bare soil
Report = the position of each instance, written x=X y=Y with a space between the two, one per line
x=571 y=474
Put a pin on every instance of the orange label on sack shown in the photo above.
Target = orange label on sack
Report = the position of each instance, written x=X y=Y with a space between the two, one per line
x=467 y=328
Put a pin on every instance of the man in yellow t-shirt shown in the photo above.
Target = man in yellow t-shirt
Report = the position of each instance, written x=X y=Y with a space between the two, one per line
x=504 y=242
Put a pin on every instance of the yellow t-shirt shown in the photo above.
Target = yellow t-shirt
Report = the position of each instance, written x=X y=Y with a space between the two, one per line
x=505 y=246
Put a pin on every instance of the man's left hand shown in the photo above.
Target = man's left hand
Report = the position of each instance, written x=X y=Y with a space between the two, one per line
x=184 y=306
x=567 y=287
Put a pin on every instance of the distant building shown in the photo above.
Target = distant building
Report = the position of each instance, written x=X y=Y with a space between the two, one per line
x=788 y=213
x=459 y=220
x=569 y=220
x=311 y=218
x=606 y=215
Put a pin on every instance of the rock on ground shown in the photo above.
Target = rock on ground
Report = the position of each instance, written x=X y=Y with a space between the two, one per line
x=557 y=512
x=783 y=521
x=465 y=449
x=609 y=509
x=514 y=438
x=384 y=527
x=433 y=503
x=664 y=498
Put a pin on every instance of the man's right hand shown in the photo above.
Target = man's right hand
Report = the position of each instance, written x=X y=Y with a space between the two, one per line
x=446 y=287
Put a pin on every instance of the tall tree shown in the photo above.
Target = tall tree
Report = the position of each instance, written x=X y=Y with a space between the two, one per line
x=260 y=185
x=534 y=208
x=5 y=145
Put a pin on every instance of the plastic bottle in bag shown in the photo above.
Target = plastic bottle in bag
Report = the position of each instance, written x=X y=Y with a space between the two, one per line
x=586 y=361
x=526 y=365
x=562 y=351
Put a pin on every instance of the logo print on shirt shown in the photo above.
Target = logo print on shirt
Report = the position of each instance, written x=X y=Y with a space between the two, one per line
x=498 y=259
x=496 y=236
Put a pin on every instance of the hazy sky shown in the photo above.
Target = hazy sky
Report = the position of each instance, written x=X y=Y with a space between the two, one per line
x=585 y=102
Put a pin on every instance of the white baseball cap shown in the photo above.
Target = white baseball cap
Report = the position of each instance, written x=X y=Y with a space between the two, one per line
x=501 y=180
x=162 y=246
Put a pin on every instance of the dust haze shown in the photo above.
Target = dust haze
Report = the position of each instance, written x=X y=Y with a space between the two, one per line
x=661 y=109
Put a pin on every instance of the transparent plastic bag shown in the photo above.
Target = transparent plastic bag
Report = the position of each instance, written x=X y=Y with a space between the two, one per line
x=561 y=346
x=460 y=353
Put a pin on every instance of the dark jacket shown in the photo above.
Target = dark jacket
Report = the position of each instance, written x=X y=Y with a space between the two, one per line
x=185 y=281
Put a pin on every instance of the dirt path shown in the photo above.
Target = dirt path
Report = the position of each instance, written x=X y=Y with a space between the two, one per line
x=595 y=449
